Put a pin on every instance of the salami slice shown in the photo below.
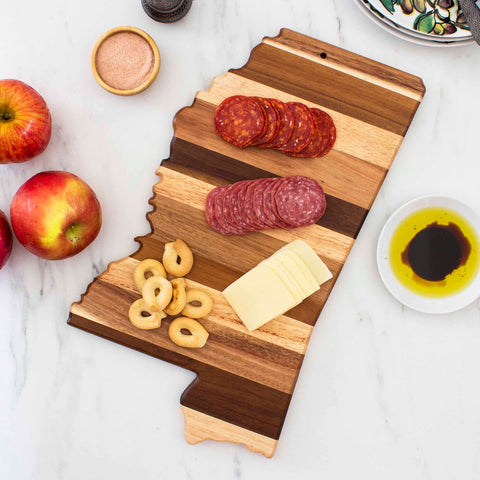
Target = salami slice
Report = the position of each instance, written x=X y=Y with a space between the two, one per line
x=249 y=208
x=300 y=201
x=265 y=203
x=258 y=207
x=210 y=210
x=240 y=206
x=222 y=214
x=285 y=129
x=270 y=209
x=272 y=123
x=232 y=202
x=303 y=130
x=239 y=120
x=322 y=136
x=261 y=206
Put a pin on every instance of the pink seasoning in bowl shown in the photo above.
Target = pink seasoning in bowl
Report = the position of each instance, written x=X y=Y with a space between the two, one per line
x=125 y=60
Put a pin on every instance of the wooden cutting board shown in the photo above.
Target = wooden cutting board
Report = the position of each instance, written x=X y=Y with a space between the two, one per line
x=245 y=380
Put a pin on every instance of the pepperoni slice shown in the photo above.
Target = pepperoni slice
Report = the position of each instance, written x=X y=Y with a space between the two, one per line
x=303 y=131
x=331 y=131
x=272 y=123
x=300 y=201
x=322 y=136
x=240 y=120
x=287 y=124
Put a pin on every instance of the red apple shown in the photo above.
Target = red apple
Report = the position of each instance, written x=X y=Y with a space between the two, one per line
x=55 y=215
x=25 y=122
x=5 y=240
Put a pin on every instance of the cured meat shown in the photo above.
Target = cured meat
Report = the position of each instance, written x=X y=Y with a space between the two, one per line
x=329 y=127
x=265 y=203
x=259 y=204
x=272 y=123
x=303 y=130
x=321 y=138
x=210 y=211
x=221 y=210
x=240 y=120
x=300 y=201
x=270 y=207
x=285 y=129
x=291 y=127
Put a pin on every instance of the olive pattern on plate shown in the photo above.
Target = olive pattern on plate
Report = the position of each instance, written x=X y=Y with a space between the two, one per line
x=437 y=17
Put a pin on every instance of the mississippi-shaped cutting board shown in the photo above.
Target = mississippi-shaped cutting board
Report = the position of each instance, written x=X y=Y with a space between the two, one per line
x=245 y=380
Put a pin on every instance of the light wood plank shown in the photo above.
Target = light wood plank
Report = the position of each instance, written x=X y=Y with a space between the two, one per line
x=193 y=192
x=282 y=332
x=355 y=138
x=200 y=427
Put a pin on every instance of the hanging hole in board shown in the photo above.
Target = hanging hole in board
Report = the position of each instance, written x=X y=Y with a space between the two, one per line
x=323 y=55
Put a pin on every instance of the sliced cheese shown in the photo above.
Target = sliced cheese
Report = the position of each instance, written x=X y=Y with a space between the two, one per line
x=286 y=277
x=319 y=270
x=259 y=296
x=304 y=277
x=311 y=280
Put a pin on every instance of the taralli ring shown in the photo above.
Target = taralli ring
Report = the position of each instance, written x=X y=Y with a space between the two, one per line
x=177 y=258
x=157 y=293
x=142 y=317
x=147 y=266
x=201 y=297
x=179 y=297
x=198 y=336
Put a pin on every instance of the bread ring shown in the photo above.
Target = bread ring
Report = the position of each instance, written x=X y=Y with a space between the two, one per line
x=205 y=300
x=174 y=251
x=157 y=301
x=198 y=336
x=153 y=320
x=179 y=297
x=145 y=266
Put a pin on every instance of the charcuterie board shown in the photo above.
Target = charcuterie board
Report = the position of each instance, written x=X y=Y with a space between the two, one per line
x=245 y=380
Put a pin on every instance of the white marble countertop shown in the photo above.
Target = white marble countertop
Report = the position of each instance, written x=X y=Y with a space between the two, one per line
x=384 y=392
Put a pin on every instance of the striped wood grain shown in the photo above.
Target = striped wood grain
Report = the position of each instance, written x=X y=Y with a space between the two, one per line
x=245 y=380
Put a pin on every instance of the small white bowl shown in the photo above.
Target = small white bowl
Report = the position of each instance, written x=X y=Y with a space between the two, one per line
x=418 y=302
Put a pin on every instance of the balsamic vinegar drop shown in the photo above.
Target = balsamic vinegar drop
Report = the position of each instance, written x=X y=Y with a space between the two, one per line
x=435 y=252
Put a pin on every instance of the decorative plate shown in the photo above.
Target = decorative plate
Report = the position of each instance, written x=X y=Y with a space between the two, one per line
x=436 y=18
x=409 y=35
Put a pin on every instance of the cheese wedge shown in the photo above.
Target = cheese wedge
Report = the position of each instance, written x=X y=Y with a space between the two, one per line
x=319 y=270
x=259 y=296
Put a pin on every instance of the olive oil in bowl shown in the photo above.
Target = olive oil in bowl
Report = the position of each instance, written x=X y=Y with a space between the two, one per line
x=434 y=252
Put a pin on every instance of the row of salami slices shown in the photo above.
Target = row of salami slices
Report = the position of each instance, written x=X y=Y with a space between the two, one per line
x=291 y=127
x=265 y=203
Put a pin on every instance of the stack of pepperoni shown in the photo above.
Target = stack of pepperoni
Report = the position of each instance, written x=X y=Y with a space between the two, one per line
x=291 y=127
x=265 y=203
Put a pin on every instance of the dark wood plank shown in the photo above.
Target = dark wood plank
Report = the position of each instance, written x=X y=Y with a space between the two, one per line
x=331 y=88
x=214 y=392
x=342 y=217
x=335 y=56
